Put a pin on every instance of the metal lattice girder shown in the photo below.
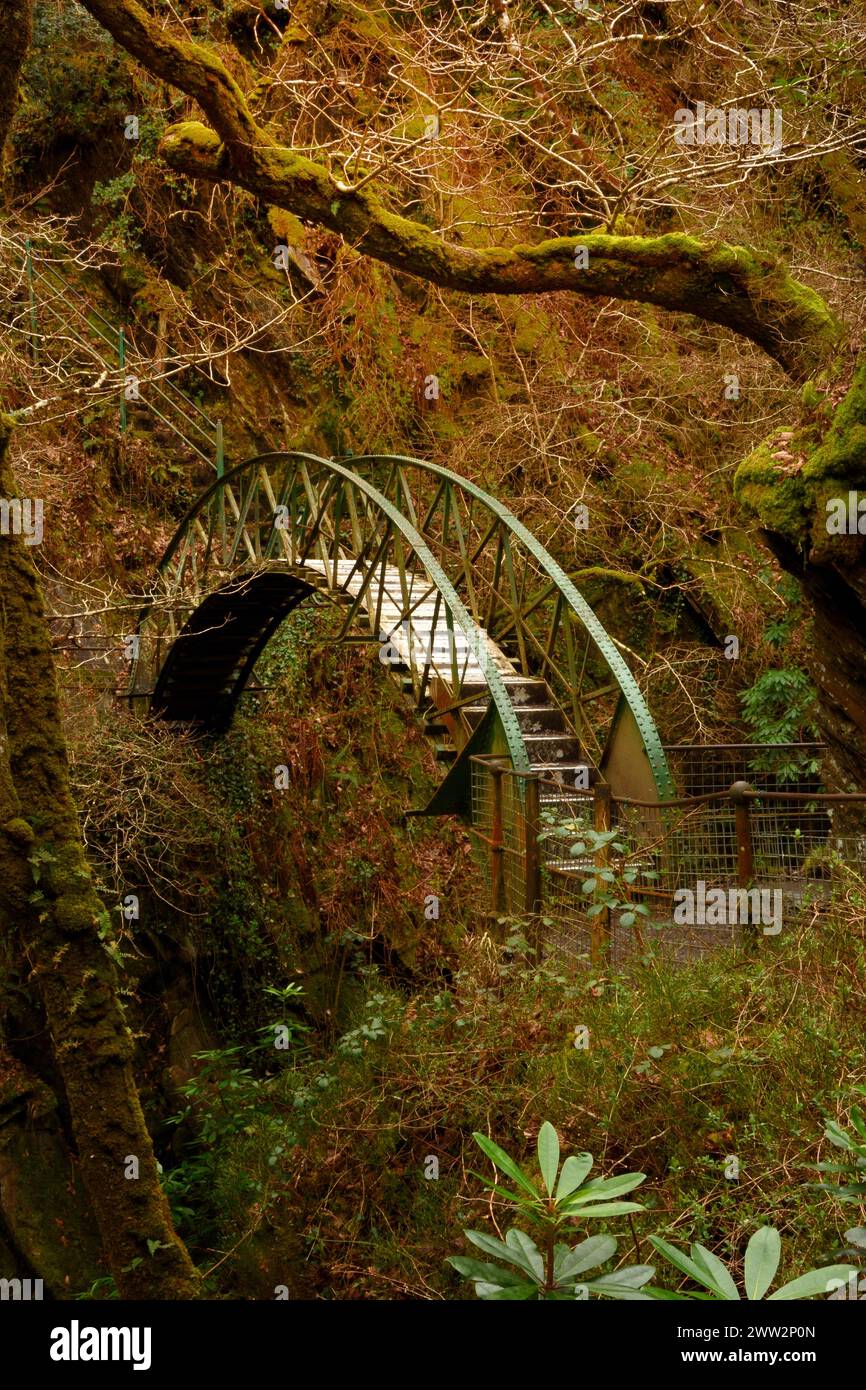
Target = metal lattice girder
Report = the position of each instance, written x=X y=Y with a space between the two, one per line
x=311 y=519
x=469 y=522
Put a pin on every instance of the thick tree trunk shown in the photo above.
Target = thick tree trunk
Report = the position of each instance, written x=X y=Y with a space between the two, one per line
x=837 y=666
x=16 y=32
x=795 y=481
x=48 y=901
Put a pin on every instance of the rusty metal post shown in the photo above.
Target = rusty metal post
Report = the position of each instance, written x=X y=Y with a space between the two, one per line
x=532 y=859
x=741 y=794
x=497 y=850
x=600 y=932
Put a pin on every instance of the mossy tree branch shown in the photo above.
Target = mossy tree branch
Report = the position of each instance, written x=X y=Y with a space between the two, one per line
x=49 y=906
x=744 y=290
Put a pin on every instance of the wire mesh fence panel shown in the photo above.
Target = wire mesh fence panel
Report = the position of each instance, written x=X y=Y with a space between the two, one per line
x=514 y=844
x=681 y=878
x=482 y=805
x=567 y=863
x=702 y=768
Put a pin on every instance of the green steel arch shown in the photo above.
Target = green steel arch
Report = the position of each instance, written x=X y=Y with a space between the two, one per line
x=210 y=545
x=490 y=572
x=564 y=602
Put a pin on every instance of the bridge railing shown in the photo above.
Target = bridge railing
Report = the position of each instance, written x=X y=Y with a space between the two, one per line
x=598 y=879
x=521 y=595
x=56 y=305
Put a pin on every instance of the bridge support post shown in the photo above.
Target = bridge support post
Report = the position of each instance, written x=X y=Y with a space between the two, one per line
x=740 y=795
x=532 y=860
x=600 y=932
x=497 y=850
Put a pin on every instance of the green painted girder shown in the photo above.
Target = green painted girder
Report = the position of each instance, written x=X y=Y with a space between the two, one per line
x=582 y=611
x=407 y=530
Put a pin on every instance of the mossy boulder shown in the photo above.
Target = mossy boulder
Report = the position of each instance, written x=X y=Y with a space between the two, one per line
x=790 y=478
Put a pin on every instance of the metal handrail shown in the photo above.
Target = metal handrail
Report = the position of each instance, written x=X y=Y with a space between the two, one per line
x=561 y=583
x=81 y=311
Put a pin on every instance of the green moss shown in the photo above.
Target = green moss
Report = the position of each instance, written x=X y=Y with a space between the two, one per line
x=20 y=831
x=842 y=454
x=778 y=499
x=810 y=396
x=789 y=494
x=470 y=367
x=531 y=330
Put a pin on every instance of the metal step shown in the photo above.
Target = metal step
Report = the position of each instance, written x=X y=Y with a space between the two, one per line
x=533 y=719
x=552 y=750
x=522 y=690
x=567 y=772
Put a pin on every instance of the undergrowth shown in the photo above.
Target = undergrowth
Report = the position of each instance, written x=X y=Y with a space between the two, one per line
x=716 y=1080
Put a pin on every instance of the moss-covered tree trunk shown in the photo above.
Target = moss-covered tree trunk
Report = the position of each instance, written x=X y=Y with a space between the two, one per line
x=16 y=31
x=48 y=902
x=806 y=484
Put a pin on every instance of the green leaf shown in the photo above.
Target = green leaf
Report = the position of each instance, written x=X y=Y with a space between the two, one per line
x=491 y=1246
x=505 y=1164
x=523 y=1245
x=624 y=1283
x=478 y=1269
x=494 y=1293
x=607 y=1187
x=588 y=886
x=859 y=1122
x=837 y=1136
x=682 y=1262
x=587 y=1255
x=763 y=1253
x=717 y=1271
x=524 y=1202
x=606 y=1209
x=813 y=1283
x=627 y=919
x=548 y=1155
x=574 y=1170
x=680 y=1295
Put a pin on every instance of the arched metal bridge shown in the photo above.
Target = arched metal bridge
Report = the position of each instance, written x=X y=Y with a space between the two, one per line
x=499 y=649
